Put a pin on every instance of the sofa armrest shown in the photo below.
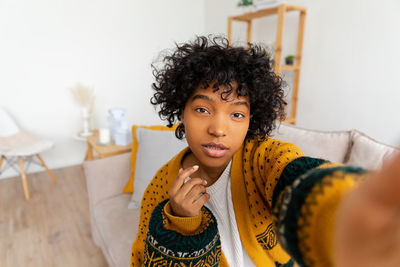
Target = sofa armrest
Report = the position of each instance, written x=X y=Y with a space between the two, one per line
x=107 y=177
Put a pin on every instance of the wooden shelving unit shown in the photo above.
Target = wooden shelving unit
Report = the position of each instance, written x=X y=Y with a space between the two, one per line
x=278 y=67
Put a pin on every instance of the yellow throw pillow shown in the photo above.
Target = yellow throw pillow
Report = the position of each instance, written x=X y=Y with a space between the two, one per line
x=129 y=186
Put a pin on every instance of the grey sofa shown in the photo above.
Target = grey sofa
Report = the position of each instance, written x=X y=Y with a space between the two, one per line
x=114 y=226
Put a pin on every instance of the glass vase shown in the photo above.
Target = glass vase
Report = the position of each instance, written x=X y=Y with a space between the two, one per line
x=86 y=119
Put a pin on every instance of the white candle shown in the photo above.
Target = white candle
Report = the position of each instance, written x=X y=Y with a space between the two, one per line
x=104 y=136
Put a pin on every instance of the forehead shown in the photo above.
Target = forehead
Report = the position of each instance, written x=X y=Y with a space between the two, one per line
x=222 y=94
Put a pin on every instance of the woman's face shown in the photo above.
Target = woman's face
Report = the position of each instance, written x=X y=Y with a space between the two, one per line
x=215 y=129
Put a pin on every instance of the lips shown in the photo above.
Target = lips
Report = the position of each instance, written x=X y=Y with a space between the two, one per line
x=215 y=150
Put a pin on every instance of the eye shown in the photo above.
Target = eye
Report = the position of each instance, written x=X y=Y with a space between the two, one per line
x=202 y=110
x=237 y=115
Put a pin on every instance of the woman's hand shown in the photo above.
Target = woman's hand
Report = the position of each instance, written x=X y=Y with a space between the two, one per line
x=368 y=221
x=183 y=196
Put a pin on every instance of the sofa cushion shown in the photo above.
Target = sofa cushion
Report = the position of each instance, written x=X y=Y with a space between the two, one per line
x=117 y=227
x=330 y=145
x=154 y=149
x=369 y=153
x=129 y=187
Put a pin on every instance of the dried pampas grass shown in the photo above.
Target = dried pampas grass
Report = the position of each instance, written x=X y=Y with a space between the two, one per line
x=84 y=95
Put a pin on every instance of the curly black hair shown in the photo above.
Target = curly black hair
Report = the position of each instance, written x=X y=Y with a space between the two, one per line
x=212 y=60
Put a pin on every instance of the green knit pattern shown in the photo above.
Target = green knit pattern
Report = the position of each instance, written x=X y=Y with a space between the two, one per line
x=166 y=247
x=287 y=207
x=292 y=171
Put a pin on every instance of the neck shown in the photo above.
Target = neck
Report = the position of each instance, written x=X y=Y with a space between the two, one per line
x=210 y=174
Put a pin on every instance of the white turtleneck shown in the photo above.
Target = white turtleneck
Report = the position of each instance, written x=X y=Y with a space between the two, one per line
x=220 y=204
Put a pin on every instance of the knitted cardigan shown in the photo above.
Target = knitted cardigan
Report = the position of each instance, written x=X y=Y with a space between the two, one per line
x=284 y=206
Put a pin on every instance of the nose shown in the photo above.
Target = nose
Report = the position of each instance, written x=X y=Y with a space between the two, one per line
x=218 y=126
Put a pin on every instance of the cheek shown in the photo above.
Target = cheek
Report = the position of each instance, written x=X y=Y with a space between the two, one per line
x=190 y=134
x=193 y=128
x=241 y=132
x=246 y=127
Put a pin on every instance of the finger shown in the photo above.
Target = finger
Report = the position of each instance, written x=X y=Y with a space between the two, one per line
x=194 y=193
x=199 y=203
x=188 y=186
x=173 y=189
x=180 y=178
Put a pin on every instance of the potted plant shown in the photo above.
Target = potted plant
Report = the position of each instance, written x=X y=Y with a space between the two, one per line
x=245 y=3
x=289 y=60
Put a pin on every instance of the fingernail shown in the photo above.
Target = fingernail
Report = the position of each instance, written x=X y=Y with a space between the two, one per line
x=195 y=167
x=180 y=170
x=204 y=181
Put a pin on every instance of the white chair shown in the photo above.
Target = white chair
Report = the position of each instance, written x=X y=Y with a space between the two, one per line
x=18 y=146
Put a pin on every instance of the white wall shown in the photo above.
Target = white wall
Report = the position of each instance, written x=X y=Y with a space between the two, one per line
x=47 y=46
x=350 y=65
x=349 y=77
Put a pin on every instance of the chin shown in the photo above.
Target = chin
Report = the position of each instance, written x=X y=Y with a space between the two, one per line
x=214 y=162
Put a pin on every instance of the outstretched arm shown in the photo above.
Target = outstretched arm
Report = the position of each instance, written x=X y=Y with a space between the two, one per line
x=367 y=231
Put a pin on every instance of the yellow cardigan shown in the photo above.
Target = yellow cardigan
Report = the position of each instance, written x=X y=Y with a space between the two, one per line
x=284 y=206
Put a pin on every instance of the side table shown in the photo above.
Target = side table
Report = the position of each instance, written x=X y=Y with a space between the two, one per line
x=95 y=150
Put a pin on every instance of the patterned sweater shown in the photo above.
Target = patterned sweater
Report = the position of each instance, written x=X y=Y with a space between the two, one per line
x=284 y=205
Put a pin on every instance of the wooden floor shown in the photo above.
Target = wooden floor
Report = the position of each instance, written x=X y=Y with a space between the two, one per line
x=53 y=227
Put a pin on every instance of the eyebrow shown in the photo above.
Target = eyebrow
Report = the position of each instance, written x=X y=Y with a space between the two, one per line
x=204 y=97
